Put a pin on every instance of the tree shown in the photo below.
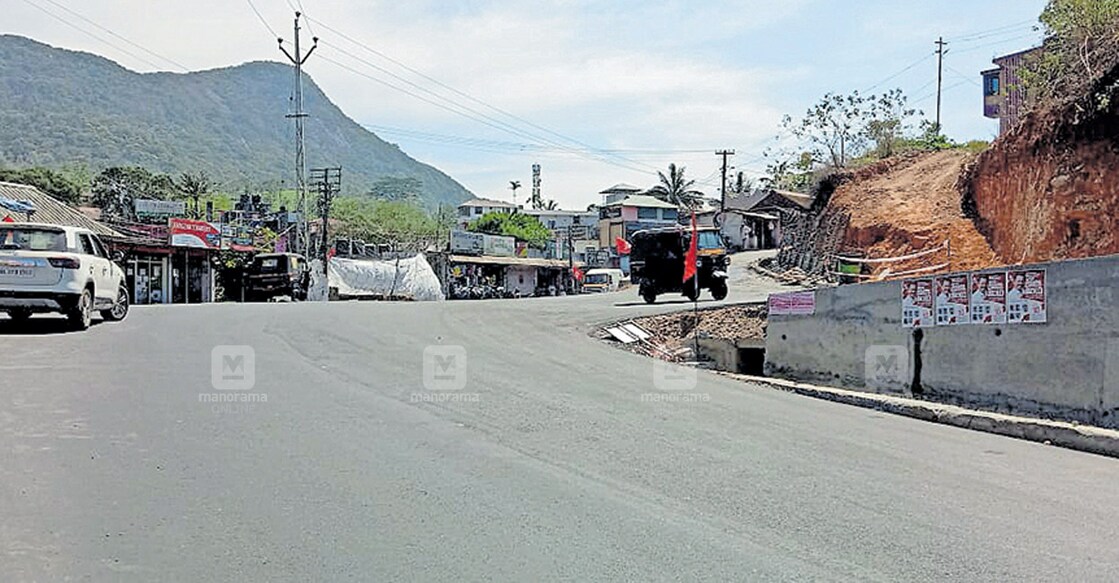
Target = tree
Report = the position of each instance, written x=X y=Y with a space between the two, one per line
x=194 y=186
x=832 y=129
x=116 y=189
x=523 y=227
x=549 y=205
x=1082 y=42
x=885 y=122
x=396 y=188
x=675 y=188
x=514 y=185
x=53 y=183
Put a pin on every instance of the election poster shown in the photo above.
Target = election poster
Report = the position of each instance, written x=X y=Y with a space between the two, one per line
x=1026 y=302
x=917 y=303
x=801 y=303
x=988 y=298
x=952 y=300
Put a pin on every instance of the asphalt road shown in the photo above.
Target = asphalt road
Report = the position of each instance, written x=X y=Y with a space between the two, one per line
x=558 y=458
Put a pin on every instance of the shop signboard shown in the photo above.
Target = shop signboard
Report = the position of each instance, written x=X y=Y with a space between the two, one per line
x=197 y=234
x=467 y=243
x=147 y=208
x=952 y=300
x=496 y=246
x=988 y=298
x=917 y=303
x=1026 y=301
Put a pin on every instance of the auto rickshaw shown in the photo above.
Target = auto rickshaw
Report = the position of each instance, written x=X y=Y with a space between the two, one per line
x=657 y=263
x=277 y=274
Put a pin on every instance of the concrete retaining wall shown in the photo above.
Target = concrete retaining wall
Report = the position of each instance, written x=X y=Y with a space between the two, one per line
x=1065 y=369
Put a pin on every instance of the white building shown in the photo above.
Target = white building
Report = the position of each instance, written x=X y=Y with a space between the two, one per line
x=475 y=208
x=583 y=224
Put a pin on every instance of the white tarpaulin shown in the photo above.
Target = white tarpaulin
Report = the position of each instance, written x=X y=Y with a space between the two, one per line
x=412 y=278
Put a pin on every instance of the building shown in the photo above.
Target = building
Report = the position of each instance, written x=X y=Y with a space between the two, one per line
x=583 y=224
x=618 y=192
x=476 y=208
x=758 y=220
x=632 y=213
x=1004 y=98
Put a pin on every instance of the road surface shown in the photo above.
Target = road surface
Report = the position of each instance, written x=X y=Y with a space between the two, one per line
x=558 y=458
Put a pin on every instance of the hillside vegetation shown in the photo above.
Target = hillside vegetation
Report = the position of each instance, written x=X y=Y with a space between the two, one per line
x=65 y=108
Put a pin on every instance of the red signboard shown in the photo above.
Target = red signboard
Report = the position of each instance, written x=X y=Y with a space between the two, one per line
x=197 y=234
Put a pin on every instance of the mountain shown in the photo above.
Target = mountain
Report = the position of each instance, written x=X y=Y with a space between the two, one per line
x=64 y=107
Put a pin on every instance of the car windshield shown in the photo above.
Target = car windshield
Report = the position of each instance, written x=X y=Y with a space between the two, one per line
x=268 y=264
x=32 y=239
x=710 y=240
x=598 y=278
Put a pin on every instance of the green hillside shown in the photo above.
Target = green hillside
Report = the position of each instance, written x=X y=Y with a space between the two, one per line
x=63 y=107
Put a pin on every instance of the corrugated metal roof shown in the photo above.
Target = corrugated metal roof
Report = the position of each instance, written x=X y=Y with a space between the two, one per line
x=49 y=210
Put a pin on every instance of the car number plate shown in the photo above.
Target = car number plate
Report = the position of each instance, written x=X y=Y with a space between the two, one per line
x=16 y=272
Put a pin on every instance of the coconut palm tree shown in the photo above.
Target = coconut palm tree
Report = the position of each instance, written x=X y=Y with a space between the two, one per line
x=676 y=189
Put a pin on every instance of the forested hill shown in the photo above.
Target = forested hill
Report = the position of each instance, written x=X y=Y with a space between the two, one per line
x=62 y=107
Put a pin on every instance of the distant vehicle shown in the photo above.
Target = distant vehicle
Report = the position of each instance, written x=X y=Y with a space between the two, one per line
x=49 y=268
x=657 y=263
x=603 y=280
x=273 y=275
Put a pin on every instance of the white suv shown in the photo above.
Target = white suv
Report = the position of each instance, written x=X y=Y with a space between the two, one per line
x=48 y=268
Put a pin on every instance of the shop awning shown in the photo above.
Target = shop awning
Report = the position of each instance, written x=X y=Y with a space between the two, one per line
x=760 y=216
x=512 y=261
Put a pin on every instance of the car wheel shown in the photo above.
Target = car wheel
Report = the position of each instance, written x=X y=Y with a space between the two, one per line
x=81 y=314
x=19 y=314
x=119 y=309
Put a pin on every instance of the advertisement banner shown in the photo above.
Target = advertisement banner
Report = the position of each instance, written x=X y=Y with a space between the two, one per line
x=917 y=303
x=197 y=234
x=1026 y=302
x=147 y=208
x=952 y=300
x=496 y=246
x=467 y=243
x=988 y=298
x=792 y=304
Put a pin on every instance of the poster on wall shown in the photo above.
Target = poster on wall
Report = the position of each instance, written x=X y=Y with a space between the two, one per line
x=988 y=298
x=793 y=304
x=952 y=300
x=1026 y=302
x=917 y=303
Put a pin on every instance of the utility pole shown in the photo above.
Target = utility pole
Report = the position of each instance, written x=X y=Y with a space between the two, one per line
x=723 y=186
x=300 y=161
x=328 y=183
x=940 y=52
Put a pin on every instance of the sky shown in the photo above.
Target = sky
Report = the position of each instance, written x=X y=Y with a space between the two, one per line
x=597 y=93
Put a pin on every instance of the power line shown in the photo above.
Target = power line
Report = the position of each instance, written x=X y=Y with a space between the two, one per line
x=262 y=20
x=998 y=42
x=899 y=73
x=91 y=35
x=994 y=31
x=142 y=48
x=964 y=77
x=461 y=93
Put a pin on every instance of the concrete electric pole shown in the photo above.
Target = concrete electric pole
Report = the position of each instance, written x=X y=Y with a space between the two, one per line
x=327 y=183
x=723 y=184
x=940 y=52
x=298 y=59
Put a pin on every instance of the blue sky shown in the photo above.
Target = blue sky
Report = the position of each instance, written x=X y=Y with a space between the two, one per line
x=654 y=82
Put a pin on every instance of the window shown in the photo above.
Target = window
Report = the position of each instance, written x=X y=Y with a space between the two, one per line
x=649 y=214
x=669 y=214
x=31 y=239
x=464 y=211
x=99 y=247
x=477 y=210
x=991 y=84
x=85 y=245
x=575 y=220
x=551 y=224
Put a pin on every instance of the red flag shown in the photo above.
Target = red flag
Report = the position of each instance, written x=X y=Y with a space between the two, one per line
x=8 y=219
x=330 y=253
x=577 y=273
x=622 y=245
x=693 y=253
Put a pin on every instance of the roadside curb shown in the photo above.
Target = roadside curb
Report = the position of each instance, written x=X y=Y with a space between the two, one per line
x=1079 y=437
